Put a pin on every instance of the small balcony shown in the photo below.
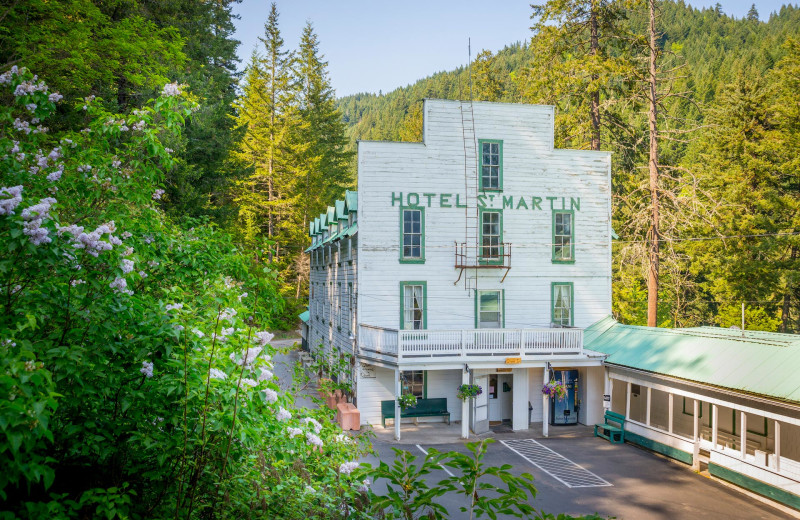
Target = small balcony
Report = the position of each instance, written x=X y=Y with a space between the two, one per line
x=495 y=255
x=467 y=344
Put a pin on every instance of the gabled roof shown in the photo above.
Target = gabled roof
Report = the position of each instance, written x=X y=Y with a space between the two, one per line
x=340 y=210
x=351 y=199
x=762 y=363
x=331 y=215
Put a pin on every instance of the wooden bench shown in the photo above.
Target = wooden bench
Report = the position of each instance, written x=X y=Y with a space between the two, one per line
x=615 y=434
x=435 y=407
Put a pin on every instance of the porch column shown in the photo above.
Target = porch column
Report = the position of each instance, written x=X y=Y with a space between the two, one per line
x=715 y=422
x=398 y=390
x=545 y=404
x=744 y=434
x=465 y=406
x=628 y=400
x=519 y=402
x=696 y=438
x=671 y=400
x=649 y=400
x=777 y=446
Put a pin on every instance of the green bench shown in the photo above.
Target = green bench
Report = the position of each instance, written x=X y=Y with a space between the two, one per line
x=436 y=407
x=615 y=434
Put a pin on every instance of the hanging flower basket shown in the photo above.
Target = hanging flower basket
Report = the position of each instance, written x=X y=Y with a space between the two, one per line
x=555 y=389
x=407 y=401
x=465 y=392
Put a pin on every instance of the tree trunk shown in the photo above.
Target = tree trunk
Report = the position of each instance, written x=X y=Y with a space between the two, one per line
x=787 y=298
x=594 y=103
x=652 y=279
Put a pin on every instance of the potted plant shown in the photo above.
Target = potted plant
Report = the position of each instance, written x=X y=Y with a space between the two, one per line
x=407 y=401
x=555 y=389
x=465 y=392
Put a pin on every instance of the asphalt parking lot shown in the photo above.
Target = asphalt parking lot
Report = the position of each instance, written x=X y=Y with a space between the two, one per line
x=589 y=475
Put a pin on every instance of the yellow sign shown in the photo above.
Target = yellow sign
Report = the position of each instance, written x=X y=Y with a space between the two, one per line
x=513 y=360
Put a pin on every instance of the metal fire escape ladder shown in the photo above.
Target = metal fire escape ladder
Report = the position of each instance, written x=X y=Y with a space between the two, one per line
x=470 y=250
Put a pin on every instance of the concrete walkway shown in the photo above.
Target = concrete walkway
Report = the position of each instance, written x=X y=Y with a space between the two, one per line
x=283 y=367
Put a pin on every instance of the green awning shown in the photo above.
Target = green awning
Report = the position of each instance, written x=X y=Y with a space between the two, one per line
x=304 y=316
x=352 y=230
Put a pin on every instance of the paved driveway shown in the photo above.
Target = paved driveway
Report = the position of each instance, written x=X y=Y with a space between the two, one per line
x=587 y=475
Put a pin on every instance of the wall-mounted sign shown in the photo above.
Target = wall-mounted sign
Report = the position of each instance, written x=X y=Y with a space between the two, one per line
x=513 y=360
x=367 y=371
x=607 y=398
x=503 y=370
x=486 y=200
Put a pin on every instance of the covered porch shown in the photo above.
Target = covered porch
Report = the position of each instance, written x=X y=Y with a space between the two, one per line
x=511 y=396
x=749 y=441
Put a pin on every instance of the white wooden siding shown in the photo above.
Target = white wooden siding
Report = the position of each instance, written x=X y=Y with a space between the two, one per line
x=531 y=167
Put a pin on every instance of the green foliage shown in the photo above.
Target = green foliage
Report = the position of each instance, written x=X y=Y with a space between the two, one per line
x=487 y=490
x=134 y=361
x=408 y=494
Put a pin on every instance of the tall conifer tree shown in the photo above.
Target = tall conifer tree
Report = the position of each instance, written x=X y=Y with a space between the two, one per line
x=325 y=170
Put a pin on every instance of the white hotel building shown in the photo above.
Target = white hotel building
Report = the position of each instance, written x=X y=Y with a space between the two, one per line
x=483 y=255
x=476 y=256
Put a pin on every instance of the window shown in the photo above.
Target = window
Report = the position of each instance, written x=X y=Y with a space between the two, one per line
x=563 y=243
x=412 y=235
x=562 y=304
x=491 y=164
x=489 y=310
x=339 y=305
x=351 y=322
x=413 y=382
x=491 y=236
x=413 y=301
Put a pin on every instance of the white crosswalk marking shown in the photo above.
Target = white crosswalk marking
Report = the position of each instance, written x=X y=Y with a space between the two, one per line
x=554 y=464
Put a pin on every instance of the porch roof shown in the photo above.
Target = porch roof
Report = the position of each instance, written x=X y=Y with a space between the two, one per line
x=761 y=363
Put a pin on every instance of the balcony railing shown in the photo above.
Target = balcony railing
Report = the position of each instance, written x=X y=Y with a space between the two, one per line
x=469 y=343
x=496 y=255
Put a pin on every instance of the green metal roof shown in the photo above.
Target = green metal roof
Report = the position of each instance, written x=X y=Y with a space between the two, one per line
x=351 y=198
x=323 y=221
x=304 y=316
x=352 y=230
x=331 y=215
x=762 y=363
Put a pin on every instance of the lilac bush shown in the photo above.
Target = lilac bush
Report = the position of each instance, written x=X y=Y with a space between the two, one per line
x=135 y=357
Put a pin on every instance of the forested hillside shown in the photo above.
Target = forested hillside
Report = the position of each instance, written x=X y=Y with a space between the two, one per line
x=726 y=98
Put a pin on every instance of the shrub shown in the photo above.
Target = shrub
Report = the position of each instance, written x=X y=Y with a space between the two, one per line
x=134 y=360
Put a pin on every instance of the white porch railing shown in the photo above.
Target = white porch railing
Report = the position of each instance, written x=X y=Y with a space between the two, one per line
x=469 y=343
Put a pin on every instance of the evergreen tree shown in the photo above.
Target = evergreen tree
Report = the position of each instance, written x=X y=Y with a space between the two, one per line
x=486 y=82
x=326 y=160
x=752 y=14
x=267 y=114
x=581 y=63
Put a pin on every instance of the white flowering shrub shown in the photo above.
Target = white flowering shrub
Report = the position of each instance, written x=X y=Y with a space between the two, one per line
x=136 y=368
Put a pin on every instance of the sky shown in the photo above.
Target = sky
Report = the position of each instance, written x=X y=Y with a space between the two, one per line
x=380 y=45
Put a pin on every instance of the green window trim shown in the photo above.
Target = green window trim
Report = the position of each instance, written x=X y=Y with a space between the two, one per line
x=571 y=259
x=424 y=303
x=421 y=258
x=553 y=286
x=481 y=187
x=735 y=416
x=481 y=258
x=502 y=306
x=699 y=407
